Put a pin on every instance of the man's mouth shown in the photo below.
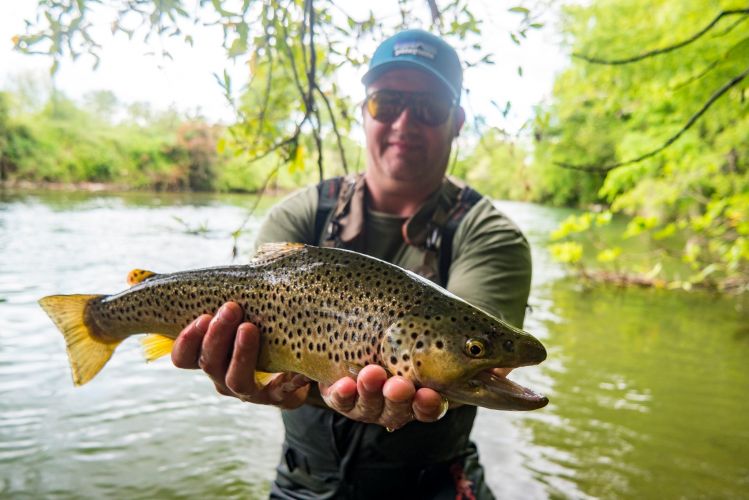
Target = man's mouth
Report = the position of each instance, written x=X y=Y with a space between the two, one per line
x=404 y=145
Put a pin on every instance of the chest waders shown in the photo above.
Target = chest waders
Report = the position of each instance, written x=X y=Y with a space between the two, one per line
x=326 y=455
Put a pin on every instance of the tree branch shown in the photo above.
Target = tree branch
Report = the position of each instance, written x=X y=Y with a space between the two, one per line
x=435 y=13
x=694 y=118
x=335 y=127
x=670 y=48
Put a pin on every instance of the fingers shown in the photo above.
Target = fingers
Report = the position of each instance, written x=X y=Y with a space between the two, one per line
x=502 y=372
x=399 y=394
x=375 y=398
x=341 y=396
x=240 y=375
x=227 y=350
x=218 y=342
x=429 y=405
x=287 y=390
x=186 y=349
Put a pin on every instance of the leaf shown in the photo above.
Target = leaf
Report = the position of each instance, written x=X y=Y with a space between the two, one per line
x=520 y=10
x=297 y=164
x=608 y=255
x=567 y=252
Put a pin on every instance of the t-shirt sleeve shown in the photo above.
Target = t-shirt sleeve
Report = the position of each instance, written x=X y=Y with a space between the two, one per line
x=491 y=266
x=291 y=220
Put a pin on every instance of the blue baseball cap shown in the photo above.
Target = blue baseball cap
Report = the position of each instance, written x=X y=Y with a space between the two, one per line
x=418 y=49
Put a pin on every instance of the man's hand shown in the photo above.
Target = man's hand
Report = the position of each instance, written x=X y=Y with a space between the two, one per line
x=227 y=350
x=391 y=402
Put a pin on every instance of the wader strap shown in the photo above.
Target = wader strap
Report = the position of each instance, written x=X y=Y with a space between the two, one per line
x=327 y=191
x=467 y=198
x=435 y=238
x=335 y=199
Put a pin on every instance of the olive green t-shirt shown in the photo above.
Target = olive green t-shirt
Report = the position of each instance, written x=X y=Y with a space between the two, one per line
x=490 y=266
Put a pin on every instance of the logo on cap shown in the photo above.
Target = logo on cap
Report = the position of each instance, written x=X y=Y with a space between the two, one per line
x=415 y=49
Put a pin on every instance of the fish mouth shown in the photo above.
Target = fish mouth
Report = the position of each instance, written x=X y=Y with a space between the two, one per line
x=491 y=389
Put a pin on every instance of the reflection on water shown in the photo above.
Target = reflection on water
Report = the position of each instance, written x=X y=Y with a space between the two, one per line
x=648 y=389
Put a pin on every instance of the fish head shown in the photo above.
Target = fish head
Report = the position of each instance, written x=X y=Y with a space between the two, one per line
x=460 y=353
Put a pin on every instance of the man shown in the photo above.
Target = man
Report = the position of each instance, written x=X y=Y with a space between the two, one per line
x=380 y=437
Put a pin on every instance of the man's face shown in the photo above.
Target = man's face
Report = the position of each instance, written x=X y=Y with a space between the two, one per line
x=407 y=150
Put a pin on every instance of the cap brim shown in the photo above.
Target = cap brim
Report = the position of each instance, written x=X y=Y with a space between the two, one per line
x=379 y=70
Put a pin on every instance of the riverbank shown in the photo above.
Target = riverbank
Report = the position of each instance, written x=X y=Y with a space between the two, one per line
x=114 y=188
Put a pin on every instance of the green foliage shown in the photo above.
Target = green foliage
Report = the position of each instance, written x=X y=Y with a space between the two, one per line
x=498 y=166
x=695 y=191
x=293 y=51
x=65 y=142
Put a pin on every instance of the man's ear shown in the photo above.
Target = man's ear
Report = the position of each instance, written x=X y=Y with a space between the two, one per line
x=458 y=120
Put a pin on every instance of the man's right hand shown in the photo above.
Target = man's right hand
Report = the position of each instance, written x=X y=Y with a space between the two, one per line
x=226 y=349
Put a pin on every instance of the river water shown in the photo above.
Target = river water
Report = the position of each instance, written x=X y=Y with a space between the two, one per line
x=649 y=389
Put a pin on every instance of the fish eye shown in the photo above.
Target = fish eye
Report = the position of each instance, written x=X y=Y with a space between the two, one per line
x=475 y=348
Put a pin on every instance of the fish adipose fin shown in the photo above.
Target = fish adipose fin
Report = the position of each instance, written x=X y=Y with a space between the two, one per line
x=156 y=345
x=269 y=252
x=87 y=353
x=138 y=275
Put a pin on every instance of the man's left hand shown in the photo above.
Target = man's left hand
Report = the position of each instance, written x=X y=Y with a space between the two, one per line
x=374 y=398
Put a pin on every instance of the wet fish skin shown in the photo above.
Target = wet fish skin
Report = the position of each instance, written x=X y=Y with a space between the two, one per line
x=321 y=312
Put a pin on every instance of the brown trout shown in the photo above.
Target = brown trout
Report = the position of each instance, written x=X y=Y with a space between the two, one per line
x=321 y=312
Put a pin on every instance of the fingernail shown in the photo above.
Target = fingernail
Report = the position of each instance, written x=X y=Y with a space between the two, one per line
x=202 y=324
x=227 y=314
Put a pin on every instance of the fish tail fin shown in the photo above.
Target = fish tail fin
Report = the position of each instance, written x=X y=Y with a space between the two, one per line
x=87 y=353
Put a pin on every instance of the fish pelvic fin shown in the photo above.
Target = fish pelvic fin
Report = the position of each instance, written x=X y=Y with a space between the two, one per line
x=268 y=252
x=138 y=275
x=87 y=353
x=263 y=378
x=156 y=345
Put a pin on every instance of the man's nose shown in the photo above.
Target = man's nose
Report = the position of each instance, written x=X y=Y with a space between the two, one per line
x=405 y=120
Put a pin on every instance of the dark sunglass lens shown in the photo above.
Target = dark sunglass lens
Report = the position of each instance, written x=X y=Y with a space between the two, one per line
x=431 y=110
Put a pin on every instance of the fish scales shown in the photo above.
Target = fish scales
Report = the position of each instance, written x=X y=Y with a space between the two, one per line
x=325 y=313
x=315 y=307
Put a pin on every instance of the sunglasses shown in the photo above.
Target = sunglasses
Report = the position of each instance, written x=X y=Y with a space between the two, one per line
x=386 y=106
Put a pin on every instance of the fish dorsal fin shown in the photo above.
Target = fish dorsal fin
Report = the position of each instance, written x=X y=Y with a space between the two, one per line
x=268 y=252
x=138 y=275
x=156 y=345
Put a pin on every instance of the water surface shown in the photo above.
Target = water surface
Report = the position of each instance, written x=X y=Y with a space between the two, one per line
x=648 y=388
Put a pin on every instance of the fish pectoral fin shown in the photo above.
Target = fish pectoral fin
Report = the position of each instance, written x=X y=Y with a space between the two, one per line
x=138 y=275
x=352 y=368
x=86 y=352
x=268 y=252
x=156 y=345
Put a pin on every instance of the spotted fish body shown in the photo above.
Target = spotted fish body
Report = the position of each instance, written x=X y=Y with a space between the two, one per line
x=324 y=313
